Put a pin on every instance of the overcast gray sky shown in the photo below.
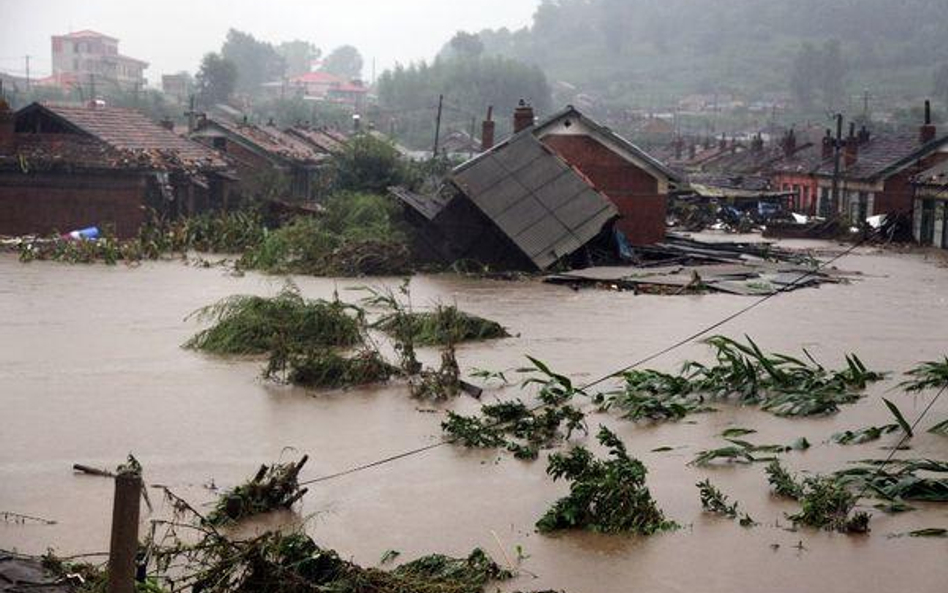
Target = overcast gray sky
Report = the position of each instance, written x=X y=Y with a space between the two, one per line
x=172 y=35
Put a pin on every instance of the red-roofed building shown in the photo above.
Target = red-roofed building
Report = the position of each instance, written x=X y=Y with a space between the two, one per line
x=92 y=59
x=323 y=86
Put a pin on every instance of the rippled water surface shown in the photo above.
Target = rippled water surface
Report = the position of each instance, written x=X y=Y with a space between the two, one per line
x=91 y=368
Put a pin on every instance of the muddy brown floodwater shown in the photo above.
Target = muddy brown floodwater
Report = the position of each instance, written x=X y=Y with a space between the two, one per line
x=91 y=369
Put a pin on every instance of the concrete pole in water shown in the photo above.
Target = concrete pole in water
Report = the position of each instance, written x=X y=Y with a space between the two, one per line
x=124 y=545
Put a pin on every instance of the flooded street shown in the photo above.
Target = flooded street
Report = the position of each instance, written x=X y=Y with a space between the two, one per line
x=91 y=368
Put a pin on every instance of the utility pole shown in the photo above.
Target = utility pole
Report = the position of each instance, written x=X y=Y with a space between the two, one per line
x=437 y=140
x=27 y=59
x=92 y=87
x=837 y=155
x=473 y=131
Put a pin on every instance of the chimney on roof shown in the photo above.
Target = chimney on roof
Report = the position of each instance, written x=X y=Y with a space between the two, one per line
x=757 y=144
x=864 y=135
x=488 y=128
x=851 y=151
x=790 y=143
x=7 y=129
x=679 y=147
x=692 y=150
x=523 y=117
x=928 y=130
x=722 y=144
x=828 y=143
x=167 y=123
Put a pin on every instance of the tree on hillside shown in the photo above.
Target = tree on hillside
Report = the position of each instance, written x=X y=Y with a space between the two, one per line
x=803 y=74
x=344 y=61
x=469 y=85
x=257 y=62
x=299 y=56
x=466 y=45
x=216 y=79
x=832 y=74
x=940 y=88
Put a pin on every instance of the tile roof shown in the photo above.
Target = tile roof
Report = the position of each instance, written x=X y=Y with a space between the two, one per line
x=272 y=140
x=75 y=152
x=544 y=206
x=129 y=130
x=571 y=111
x=86 y=34
x=804 y=161
x=320 y=139
x=884 y=154
x=318 y=77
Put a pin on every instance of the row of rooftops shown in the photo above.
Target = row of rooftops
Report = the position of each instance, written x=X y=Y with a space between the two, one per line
x=96 y=136
x=865 y=156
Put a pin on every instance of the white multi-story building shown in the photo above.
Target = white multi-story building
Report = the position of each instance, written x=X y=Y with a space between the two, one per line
x=92 y=59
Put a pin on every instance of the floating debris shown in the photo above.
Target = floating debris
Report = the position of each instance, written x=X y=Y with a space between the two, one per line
x=272 y=488
x=863 y=435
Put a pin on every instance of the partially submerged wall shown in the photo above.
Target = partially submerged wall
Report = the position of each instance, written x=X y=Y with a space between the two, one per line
x=42 y=203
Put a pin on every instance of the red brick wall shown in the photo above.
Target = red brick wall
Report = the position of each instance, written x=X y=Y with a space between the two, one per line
x=47 y=202
x=898 y=195
x=633 y=191
x=786 y=181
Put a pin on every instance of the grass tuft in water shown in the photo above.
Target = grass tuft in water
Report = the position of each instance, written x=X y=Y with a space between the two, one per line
x=256 y=325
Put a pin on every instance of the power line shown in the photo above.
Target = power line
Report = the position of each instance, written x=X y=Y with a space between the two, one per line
x=706 y=330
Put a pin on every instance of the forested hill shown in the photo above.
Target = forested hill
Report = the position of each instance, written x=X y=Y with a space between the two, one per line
x=653 y=51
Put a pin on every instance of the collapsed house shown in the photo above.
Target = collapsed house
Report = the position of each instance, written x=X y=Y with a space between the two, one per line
x=270 y=162
x=65 y=167
x=552 y=191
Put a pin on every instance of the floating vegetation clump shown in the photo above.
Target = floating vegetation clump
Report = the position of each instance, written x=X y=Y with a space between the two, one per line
x=444 y=325
x=357 y=235
x=294 y=563
x=782 y=482
x=608 y=496
x=522 y=430
x=863 y=435
x=272 y=488
x=715 y=501
x=741 y=451
x=323 y=368
x=219 y=232
x=927 y=375
x=899 y=479
x=826 y=503
x=656 y=396
x=257 y=325
x=778 y=383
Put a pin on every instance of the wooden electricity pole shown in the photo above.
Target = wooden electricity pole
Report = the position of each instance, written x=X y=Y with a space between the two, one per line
x=124 y=543
x=837 y=157
x=437 y=139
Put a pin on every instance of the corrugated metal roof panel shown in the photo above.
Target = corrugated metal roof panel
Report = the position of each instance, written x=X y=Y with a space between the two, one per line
x=581 y=208
x=501 y=196
x=521 y=216
x=522 y=153
x=561 y=189
x=536 y=199
x=478 y=179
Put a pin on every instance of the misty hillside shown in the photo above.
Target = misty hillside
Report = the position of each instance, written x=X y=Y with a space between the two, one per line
x=650 y=52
